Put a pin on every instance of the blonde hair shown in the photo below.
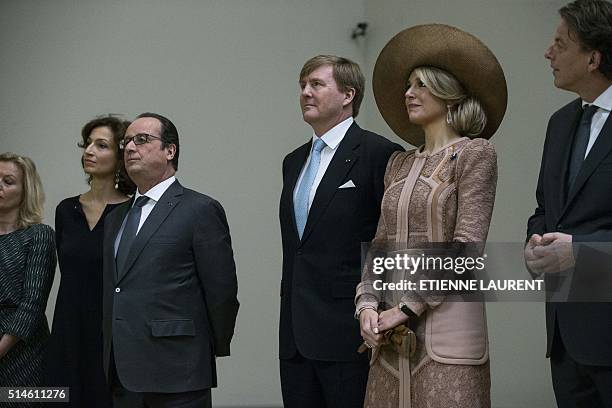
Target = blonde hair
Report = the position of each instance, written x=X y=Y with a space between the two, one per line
x=465 y=113
x=31 y=207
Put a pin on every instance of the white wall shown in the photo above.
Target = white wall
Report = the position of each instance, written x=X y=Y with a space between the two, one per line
x=226 y=73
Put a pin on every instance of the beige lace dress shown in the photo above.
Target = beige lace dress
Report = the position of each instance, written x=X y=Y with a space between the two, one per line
x=443 y=196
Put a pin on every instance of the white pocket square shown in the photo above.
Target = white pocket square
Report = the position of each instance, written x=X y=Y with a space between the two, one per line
x=348 y=184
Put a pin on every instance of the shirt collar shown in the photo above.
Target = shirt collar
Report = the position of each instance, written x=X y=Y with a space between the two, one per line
x=603 y=101
x=158 y=190
x=334 y=136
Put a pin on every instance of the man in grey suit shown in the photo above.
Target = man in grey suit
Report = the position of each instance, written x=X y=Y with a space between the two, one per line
x=169 y=280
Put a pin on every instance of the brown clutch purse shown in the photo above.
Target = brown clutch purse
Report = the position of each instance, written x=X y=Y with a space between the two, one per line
x=401 y=338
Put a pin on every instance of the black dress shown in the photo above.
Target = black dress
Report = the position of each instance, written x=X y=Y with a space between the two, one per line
x=27 y=266
x=74 y=356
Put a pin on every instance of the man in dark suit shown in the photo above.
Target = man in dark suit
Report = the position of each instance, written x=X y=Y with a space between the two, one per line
x=169 y=280
x=574 y=197
x=330 y=204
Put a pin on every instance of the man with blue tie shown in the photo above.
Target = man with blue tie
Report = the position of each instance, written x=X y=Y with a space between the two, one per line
x=574 y=215
x=169 y=294
x=330 y=204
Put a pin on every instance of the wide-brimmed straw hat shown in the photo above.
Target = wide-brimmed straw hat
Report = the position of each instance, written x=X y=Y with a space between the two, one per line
x=447 y=48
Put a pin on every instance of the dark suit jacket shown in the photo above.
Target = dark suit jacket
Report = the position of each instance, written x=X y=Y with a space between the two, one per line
x=585 y=212
x=321 y=271
x=174 y=307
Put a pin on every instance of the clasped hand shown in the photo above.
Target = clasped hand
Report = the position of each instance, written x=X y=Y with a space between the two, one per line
x=549 y=253
x=374 y=324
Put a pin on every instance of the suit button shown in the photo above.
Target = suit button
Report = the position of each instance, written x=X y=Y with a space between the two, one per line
x=299 y=252
x=117 y=290
x=559 y=227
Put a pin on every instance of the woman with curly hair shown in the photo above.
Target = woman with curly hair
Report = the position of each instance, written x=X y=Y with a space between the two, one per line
x=75 y=351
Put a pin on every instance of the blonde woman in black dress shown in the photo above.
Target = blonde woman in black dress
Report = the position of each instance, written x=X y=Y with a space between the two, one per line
x=27 y=266
x=75 y=350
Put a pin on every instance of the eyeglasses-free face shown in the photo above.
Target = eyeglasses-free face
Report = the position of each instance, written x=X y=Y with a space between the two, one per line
x=11 y=187
x=139 y=139
x=100 y=153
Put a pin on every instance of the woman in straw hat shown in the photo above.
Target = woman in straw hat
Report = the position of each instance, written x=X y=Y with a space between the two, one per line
x=442 y=89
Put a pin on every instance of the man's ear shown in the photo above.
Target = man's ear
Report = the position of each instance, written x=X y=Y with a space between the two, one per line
x=349 y=95
x=171 y=151
x=594 y=61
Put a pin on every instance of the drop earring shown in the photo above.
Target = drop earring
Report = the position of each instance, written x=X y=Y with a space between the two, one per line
x=117 y=180
x=449 y=120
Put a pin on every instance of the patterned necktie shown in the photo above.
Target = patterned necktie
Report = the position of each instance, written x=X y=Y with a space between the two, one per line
x=300 y=204
x=581 y=141
x=129 y=232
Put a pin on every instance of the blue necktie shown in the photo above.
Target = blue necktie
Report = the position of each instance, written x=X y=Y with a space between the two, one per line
x=581 y=141
x=129 y=232
x=300 y=204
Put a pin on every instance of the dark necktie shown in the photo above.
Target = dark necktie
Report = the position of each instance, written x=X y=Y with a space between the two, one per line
x=581 y=141
x=129 y=232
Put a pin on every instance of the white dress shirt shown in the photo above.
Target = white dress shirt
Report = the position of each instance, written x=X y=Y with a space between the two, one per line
x=332 y=139
x=154 y=195
x=604 y=103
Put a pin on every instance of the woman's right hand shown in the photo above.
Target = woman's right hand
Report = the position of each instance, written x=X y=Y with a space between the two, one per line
x=368 y=321
x=7 y=341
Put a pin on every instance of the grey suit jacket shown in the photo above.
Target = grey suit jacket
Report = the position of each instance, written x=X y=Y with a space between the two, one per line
x=173 y=308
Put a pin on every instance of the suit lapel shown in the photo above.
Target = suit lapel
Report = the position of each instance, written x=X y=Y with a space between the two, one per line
x=342 y=162
x=294 y=167
x=601 y=148
x=115 y=220
x=166 y=204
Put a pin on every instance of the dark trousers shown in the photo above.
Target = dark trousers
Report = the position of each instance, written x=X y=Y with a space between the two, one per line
x=123 y=398
x=578 y=385
x=309 y=383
